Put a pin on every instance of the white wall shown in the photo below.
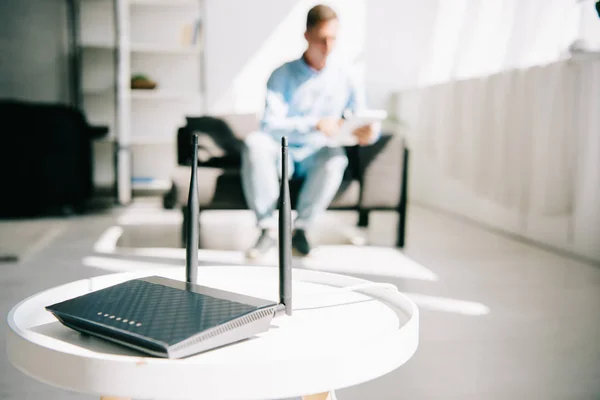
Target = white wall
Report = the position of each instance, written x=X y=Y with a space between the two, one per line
x=33 y=50
x=398 y=37
x=247 y=40
x=415 y=43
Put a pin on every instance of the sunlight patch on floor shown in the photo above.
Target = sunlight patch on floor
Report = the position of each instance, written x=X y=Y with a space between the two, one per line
x=345 y=259
x=119 y=265
x=444 y=304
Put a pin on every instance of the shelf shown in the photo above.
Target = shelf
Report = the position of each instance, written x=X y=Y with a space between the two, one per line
x=100 y=46
x=141 y=141
x=150 y=140
x=147 y=48
x=164 y=40
x=161 y=3
x=152 y=184
x=143 y=94
x=158 y=48
x=110 y=139
x=98 y=92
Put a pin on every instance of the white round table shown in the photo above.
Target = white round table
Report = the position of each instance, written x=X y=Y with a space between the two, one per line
x=335 y=338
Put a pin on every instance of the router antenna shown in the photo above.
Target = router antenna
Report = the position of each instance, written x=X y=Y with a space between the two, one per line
x=191 y=250
x=285 y=234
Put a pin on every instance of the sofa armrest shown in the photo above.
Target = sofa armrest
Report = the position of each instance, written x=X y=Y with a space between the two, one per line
x=97 y=132
x=217 y=144
x=382 y=173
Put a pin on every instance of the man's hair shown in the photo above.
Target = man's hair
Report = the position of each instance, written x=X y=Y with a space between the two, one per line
x=319 y=13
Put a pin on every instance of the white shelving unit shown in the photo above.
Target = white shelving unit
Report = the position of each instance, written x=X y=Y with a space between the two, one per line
x=117 y=40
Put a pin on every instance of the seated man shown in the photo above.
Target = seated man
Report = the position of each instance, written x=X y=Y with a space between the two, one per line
x=305 y=101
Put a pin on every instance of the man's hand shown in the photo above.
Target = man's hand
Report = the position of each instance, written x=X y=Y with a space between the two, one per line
x=329 y=126
x=364 y=134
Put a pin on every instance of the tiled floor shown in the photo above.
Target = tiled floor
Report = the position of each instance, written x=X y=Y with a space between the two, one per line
x=499 y=319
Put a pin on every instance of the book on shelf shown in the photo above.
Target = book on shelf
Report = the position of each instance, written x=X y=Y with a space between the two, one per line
x=192 y=33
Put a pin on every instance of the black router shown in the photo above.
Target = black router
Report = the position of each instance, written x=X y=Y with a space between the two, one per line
x=174 y=319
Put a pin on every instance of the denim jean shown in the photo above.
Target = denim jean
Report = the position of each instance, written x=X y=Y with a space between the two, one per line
x=322 y=169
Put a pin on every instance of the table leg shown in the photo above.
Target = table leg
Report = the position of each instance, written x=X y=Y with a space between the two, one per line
x=320 y=396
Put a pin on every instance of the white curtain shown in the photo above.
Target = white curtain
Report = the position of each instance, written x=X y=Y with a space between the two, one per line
x=554 y=138
x=587 y=152
x=473 y=38
x=512 y=137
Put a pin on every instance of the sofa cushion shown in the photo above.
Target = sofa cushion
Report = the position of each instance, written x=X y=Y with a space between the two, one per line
x=241 y=124
x=221 y=189
x=382 y=167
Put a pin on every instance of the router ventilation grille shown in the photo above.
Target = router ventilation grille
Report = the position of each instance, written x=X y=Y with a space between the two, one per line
x=166 y=314
x=236 y=323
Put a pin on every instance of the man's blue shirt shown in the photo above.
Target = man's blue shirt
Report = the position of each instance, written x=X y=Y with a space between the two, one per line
x=298 y=96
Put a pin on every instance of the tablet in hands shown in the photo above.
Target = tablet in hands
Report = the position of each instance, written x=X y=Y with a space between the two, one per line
x=345 y=136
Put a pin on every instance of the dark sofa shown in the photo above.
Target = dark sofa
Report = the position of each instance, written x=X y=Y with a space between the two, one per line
x=376 y=177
